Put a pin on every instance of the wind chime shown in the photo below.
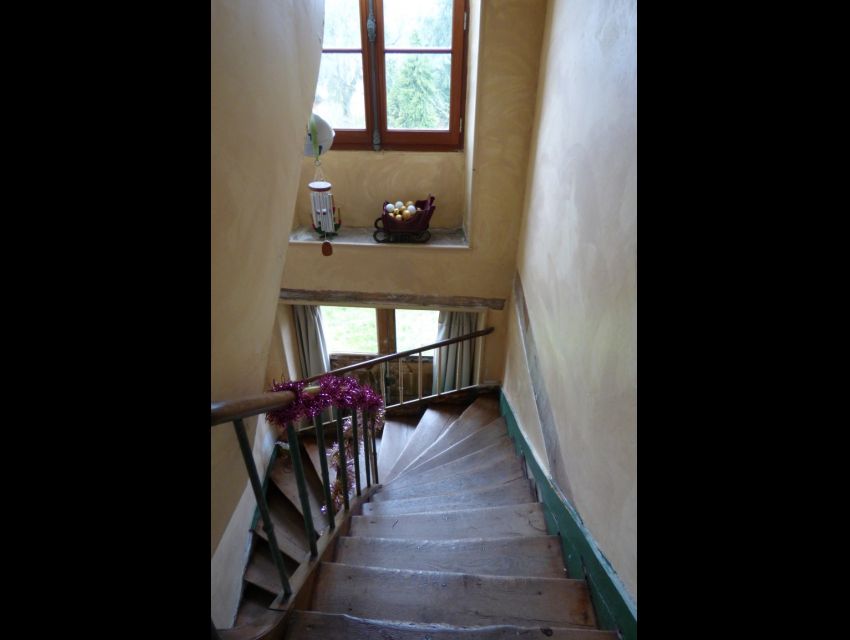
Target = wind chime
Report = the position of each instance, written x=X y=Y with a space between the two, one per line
x=326 y=215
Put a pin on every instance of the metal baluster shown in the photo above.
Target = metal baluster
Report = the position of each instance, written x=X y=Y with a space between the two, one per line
x=458 y=385
x=439 y=370
x=374 y=445
x=400 y=391
x=340 y=435
x=419 y=376
x=366 y=450
x=248 y=457
x=356 y=445
x=298 y=468
x=323 y=461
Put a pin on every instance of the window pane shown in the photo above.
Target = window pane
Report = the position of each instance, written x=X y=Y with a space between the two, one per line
x=424 y=23
x=418 y=89
x=415 y=329
x=339 y=95
x=350 y=330
x=342 y=24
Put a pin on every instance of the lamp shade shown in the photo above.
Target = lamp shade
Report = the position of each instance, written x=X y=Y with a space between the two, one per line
x=320 y=136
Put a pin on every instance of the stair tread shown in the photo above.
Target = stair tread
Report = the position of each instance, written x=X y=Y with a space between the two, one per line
x=396 y=434
x=315 y=625
x=254 y=629
x=283 y=476
x=261 y=570
x=451 y=598
x=288 y=525
x=502 y=521
x=514 y=490
x=469 y=465
x=531 y=556
x=503 y=466
x=484 y=410
x=433 y=422
x=252 y=606
x=493 y=432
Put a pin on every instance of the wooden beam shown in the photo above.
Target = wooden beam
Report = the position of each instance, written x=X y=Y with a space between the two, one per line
x=395 y=300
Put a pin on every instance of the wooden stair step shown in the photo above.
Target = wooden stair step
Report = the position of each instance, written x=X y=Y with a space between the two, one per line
x=497 y=522
x=451 y=598
x=314 y=625
x=261 y=570
x=484 y=410
x=283 y=476
x=253 y=605
x=256 y=629
x=504 y=468
x=309 y=444
x=531 y=556
x=288 y=525
x=433 y=422
x=514 y=491
x=394 y=438
x=470 y=464
x=491 y=433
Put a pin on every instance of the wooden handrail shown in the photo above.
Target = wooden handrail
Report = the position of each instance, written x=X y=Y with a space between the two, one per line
x=401 y=354
x=230 y=410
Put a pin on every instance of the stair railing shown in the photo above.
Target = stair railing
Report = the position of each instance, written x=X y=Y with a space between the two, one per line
x=235 y=412
x=442 y=344
x=238 y=410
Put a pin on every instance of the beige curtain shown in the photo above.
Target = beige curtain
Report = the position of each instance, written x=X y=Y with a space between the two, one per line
x=453 y=324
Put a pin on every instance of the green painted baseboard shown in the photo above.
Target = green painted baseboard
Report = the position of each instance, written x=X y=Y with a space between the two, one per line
x=614 y=608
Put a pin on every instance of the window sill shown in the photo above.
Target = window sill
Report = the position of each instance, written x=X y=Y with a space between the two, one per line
x=362 y=236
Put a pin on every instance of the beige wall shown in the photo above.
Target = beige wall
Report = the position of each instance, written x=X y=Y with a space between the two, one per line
x=578 y=264
x=510 y=34
x=362 y=180
x=265 y=61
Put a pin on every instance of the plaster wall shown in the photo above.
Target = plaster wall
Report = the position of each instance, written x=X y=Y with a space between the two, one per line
x=509 y=48
x=578 y=264
x=362 y=180
x=264 y=66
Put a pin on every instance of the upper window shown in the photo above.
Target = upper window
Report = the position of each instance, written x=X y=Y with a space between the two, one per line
x=399 y=85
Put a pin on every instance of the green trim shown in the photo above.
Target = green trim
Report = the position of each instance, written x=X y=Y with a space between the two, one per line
x=614 y=607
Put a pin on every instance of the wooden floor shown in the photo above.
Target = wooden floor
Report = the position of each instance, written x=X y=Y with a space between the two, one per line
x=452 y=544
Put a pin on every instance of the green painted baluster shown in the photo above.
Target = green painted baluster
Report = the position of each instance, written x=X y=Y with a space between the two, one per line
x=323 y=461
x=367 y=450
x=298 y=467
x=248 y=457
x=340 y=436
x=373 y=419
x=356 y=445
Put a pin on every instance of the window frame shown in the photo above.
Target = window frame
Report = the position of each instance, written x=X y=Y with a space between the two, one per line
x=374 y=88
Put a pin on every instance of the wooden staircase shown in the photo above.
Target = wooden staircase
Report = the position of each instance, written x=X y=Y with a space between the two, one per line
x=452 y=545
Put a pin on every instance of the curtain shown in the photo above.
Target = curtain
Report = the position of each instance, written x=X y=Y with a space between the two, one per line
x=312 y=352
x=453 y=324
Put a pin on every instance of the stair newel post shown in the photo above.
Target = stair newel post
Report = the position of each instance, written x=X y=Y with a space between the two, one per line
x=356 y=446
x=372 y=420
x=367 y=451
x=323 y=462
x=298 y=467
x=257 y=486
x=343 y=466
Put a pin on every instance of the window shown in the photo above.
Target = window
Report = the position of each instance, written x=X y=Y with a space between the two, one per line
x=401 y=89
x=351 y=330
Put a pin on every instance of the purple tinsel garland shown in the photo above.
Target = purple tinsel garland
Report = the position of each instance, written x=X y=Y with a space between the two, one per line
x=344 y=393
